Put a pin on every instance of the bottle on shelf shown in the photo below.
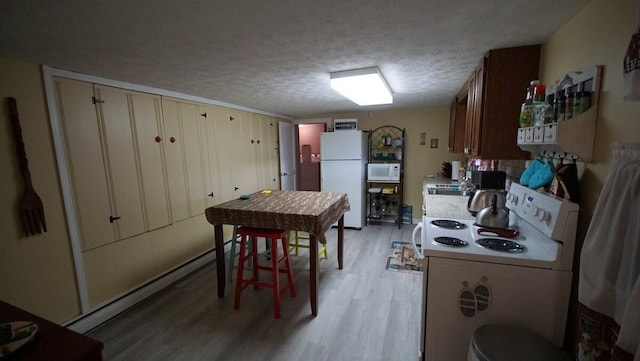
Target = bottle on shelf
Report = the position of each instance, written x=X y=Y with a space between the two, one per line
x=581 y=102
x=526 y=110
x=586 y=100
x=568 y=109
x=541 y=108
x=389 y=139
x=577 y=103
x=559 y=107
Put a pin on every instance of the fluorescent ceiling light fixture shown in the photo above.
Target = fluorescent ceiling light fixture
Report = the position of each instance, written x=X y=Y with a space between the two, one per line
x=362 y=86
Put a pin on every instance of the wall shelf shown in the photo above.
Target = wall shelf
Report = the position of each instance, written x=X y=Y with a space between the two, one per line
x=574 y=136
x=386 y=206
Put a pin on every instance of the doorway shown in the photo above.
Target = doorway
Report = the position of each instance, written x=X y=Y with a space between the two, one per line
x=308 y=149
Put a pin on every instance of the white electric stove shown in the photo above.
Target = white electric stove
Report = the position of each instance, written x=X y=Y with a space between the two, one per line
x=470 y=280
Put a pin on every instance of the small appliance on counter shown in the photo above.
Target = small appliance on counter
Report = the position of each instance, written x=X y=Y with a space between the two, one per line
x=455 y=170
x=485 y=179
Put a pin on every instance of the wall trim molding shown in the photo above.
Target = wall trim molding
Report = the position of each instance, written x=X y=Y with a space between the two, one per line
x=112 y=308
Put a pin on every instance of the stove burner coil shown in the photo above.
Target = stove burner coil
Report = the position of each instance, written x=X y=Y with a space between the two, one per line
x=501 y=245
x=450 y=241
x=449 y=224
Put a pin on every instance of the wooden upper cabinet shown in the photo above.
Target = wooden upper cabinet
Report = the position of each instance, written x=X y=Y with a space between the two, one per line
x=474 y=119
x=457 y=121
x=495 y=91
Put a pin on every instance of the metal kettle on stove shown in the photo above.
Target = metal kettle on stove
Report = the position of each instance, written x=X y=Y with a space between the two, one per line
x=487 y=184
x=481 y=199
x=493 y=216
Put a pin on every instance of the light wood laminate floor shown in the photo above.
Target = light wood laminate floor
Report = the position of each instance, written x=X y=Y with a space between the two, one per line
x=365 y=312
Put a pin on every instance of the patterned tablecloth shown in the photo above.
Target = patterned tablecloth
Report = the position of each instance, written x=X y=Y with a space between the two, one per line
x=308 y=211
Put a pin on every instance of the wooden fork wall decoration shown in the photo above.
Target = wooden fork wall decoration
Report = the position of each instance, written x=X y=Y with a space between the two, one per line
x=31 y=208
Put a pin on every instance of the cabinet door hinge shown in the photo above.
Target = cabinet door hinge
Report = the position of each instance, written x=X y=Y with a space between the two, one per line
x=95 y=100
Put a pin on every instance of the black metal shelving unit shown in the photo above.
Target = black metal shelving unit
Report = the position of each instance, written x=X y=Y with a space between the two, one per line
x=386 y=204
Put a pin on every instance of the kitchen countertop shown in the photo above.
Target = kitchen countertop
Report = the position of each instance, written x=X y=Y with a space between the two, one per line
x=436 y=179
x=445 y=206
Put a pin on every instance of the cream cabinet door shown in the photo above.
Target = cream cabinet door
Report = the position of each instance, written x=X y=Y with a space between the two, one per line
x=222 y=146
x=119 y=151
x=174 y=160
x=251 y=137
x=240 y=154
x=256 y=141
x=87 y=173
x=275 y=153
x=147 y=116
x=269 y=151
x=210 y=156
x=194 y=162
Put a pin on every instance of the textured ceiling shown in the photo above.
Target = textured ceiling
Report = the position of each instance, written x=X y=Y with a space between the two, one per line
x=275 y=56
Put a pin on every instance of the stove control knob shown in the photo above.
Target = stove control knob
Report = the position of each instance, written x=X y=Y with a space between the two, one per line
x=542 y=215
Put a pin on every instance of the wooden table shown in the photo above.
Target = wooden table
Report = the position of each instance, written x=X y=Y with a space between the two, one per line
x=52 y=342
x=312 y=212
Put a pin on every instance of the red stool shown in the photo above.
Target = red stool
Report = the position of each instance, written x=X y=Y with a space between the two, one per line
x=273 y=235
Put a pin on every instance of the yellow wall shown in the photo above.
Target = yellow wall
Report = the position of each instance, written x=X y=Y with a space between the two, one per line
x=38 y=271
x=598 y=35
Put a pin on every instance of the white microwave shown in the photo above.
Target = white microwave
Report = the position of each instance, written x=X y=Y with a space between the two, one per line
x=383 y=172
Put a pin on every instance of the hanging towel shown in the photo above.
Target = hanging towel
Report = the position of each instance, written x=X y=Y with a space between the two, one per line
x=610 y=258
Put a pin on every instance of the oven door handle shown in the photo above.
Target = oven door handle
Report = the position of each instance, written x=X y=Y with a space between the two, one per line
x=418 y=252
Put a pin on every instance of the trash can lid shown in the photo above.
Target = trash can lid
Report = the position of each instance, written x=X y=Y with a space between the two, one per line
x=499 y=342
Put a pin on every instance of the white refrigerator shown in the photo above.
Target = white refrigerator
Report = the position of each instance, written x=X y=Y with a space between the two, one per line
x=343 y=161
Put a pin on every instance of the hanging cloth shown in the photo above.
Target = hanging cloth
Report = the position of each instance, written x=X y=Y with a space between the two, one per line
x=609 y=286
x=631 y=64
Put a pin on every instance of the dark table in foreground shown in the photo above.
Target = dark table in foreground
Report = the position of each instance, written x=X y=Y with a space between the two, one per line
x=52 y=342
x=312 y=212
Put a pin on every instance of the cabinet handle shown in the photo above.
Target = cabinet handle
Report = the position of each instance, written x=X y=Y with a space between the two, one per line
x=172 y=139
x=235 y=188
x=158 y=139
x=210 y=194
x=252 y=141
x=204 y=114
x=258 y=141
x=112 y=218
